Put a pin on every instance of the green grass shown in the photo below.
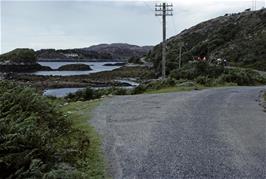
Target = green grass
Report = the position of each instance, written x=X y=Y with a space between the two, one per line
x=80 y=114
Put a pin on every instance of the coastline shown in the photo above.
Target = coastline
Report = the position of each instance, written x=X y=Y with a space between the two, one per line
x=79 y=60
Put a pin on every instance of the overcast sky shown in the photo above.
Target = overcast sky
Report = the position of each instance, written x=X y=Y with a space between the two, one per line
x=72 y=24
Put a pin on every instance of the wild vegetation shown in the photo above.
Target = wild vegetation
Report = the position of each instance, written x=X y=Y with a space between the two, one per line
x=38 y=140
x=239 y=38
x=211 y=75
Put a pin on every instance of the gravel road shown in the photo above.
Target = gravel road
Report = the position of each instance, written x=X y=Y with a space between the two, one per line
x=213 y=133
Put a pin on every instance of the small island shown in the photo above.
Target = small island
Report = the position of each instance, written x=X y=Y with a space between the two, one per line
x=115 y=64
x=75 y=67
x=20 y=60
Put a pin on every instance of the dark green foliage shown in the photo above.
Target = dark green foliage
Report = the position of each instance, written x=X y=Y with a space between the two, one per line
x=243 y=77
x=210 y=75
x=135 y=60
x=90 y=94
x=159 y=84
x=139 y=89
x=119 y=91
x=204 y=80
x=82 y=95
x=194 y=70
x=19 y=56
x=34 y=137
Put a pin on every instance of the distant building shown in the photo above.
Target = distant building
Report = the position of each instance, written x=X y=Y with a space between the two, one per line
x=71 y=55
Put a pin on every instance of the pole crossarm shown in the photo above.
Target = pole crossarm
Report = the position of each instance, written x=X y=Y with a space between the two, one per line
x=164 y=9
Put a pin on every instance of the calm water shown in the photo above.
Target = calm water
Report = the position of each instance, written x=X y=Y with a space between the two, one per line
x=96 y=67
x=60 y=92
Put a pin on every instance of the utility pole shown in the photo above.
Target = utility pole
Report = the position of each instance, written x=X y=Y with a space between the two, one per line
x=179 y=57
x=180 y=54
x=164 y=9
x=254 y=5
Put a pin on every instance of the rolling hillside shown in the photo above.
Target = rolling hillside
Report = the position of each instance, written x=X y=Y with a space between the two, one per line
x=240 y=38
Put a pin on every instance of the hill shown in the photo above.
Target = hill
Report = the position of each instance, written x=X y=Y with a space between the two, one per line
x=18 y=56
x=120 y=50
x=20 y=60
x=103 y=51
x=239 y=38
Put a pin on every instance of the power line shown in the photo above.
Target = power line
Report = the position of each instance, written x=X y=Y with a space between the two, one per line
x=151 y=9
x=164 y=10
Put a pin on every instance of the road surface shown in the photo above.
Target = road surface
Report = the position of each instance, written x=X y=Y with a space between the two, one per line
x=213 y=133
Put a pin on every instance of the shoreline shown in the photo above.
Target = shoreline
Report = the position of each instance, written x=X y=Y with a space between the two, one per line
x=99 y=79
x=81 y=60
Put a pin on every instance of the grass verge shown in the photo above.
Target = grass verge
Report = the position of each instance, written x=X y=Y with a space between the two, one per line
x=79 y=113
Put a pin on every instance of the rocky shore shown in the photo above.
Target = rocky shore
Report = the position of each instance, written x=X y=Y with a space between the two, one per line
x=101 y=79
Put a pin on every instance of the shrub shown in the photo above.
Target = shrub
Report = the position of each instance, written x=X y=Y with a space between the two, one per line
x=159 y=84
x=90 y=94
x=243 y=77
x=196 y=69
x=119 y=91
x=85 y=94
x=33 y=136
x=138 y=90
x=204 y=80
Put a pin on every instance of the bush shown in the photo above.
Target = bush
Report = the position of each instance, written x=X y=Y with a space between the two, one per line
x=204 y=80
x=90 y=94
x=85 y=95
x=139 y=89
x=119 y=91
x=243 y=77
x=34 y=139
x=159 y=84
x=210 y=75
x=196 y=69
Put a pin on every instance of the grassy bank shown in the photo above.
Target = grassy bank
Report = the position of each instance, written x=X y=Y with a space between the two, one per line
x=79 y=113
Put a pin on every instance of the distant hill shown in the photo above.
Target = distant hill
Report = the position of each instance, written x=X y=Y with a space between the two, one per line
x=240 y=38
x=20 y=60
x=19 y=56
x=103 y=51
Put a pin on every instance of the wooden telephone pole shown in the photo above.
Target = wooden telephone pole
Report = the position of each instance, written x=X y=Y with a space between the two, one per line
x=164 y=10
x=181 y=45
x=254 y=5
